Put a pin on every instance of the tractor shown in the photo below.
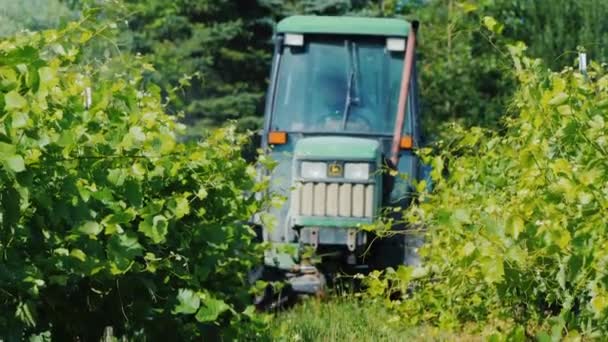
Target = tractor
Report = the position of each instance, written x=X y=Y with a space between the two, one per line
x=341 y=116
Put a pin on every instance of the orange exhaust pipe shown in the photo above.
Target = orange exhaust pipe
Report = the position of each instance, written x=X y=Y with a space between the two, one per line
x=408 y=64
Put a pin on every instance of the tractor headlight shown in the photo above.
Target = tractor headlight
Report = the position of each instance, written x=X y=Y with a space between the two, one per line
x=313 y=170
x=356 y=171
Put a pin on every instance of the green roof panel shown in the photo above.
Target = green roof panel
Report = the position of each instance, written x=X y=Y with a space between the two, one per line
x=344 y=25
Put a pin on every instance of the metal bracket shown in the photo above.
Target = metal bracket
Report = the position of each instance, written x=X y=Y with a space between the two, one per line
x=310 y=236
x=351 y=239
x=314 y=237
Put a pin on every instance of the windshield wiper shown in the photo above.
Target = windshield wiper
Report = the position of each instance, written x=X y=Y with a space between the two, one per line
x=350 y=100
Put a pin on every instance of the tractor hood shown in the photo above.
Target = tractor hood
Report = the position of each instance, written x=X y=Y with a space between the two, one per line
x=337 y=148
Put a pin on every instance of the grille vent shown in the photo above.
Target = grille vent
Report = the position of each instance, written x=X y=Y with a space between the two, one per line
x=332 y=200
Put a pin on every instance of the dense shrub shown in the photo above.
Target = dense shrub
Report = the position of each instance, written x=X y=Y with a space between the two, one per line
x=517 y=231
x=106 y=217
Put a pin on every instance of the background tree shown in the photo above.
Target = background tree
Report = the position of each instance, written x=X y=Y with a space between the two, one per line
x=464 y=74
x=224 y=44
x=31 y=15
x=554 y=29
x=281 y=9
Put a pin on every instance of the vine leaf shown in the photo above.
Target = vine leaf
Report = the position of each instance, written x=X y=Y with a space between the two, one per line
x=122 y=250
x=13 y=100
x=90 y=228
x=493 y=269
x=155 y=228
x=15 y=163
x=188 y=302
x=211 y=310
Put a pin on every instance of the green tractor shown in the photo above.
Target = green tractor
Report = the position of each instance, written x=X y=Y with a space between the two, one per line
x=342 y=108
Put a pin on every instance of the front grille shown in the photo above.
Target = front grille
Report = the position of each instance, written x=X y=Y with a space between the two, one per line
x=332 y=199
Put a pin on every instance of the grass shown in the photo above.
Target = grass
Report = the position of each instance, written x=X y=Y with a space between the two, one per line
x=339 y=319
x=348 y=318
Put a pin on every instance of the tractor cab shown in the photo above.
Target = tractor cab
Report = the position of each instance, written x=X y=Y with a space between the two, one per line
x=341 y=110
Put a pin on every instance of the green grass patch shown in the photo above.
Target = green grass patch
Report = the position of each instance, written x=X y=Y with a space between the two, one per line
x=340 y=319
x=351 y=318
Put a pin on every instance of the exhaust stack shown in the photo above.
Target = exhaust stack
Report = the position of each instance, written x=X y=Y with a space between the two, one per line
x=408 y=64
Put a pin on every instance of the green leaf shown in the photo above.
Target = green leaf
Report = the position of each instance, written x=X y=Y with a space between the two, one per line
x=599 y=303
x=468 y=249
x=25 y=313
x=117 y=176
x=122 y=250
x=561 y=237
x=461 y=215
x=15 y=163
x=13 y=100
x=211 y=310
x=515 y=226
x=7 y=150
x=489 y=22
x=90 y=228
x=404 y=274
x=201 y=193
x=187 y=302
x=67 y=138
x=155 y=228
x=137 y=133
x=121 y=217
x=437 y=168
x=565 y=110
x=517 y=334
x=559 y=99
x=20 y=120
x=543 y=336
x=78 y=254
x=182 y=207
x=134 y=193
x=492 y=269
x=41 y=337
x=47 y=75
x=469 y=7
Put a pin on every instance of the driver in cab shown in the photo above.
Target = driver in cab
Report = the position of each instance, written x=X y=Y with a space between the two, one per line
x=335 y=109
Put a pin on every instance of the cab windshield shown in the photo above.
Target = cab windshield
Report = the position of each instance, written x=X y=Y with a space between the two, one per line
x=338 y=84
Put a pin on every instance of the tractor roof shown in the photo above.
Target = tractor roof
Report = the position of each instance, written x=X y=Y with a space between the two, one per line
x=344 y=25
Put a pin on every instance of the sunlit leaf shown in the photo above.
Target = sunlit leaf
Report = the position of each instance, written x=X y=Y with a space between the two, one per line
x=13 y=100
x=188 y=302
x=210 y=310
x=15 y=163
x=90 y=228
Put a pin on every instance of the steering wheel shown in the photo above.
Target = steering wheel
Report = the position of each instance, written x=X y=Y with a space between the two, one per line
x=333 y=121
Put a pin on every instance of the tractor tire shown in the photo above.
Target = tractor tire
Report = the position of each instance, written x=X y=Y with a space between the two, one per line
x=272 y=299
